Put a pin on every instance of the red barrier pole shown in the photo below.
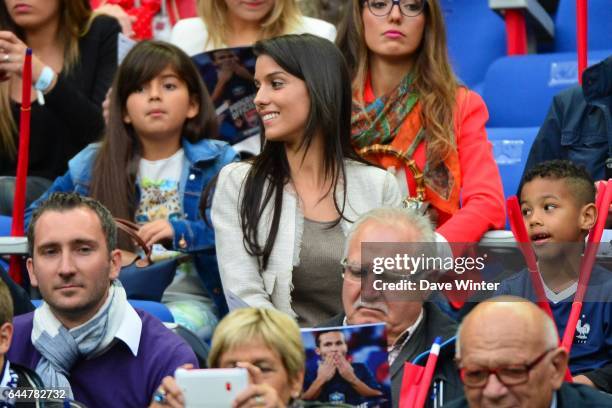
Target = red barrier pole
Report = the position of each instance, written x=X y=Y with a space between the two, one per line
x=586 y=265
x=516 y=32
x=17 y=229
x=581 y=36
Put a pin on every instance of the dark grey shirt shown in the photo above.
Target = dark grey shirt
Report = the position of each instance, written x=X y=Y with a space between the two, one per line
x=317 y=280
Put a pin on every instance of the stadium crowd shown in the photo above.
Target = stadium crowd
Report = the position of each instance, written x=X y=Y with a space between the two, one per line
x=367 y=136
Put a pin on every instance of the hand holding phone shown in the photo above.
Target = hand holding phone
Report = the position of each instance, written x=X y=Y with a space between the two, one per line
x=211 y=388
x=259 y=393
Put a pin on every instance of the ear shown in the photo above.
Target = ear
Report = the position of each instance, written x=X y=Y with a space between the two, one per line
x=31 y=274
x=115 y=264
x=588 y=216
x=296 y=384
x=6 y=335
x=559 y=363
x=126 y=118
x=317 y=351
x=194 y=108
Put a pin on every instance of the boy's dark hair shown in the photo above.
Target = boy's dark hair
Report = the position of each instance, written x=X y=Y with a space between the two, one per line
x=577 y=178
x=69 y=201
x=6 y=304
x=321 y=333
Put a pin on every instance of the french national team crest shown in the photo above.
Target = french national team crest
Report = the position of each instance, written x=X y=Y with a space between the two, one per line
x=582 y=330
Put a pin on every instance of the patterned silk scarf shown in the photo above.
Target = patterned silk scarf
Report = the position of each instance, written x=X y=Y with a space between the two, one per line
x=395 y=119
x=380 y=121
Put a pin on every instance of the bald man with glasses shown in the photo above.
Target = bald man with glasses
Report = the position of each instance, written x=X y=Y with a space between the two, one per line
x=509 y=356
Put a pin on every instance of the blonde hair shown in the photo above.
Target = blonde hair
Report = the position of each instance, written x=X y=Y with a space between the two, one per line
x=275 y=329
x=434 y=80
x=75 y=19
x=283 y=18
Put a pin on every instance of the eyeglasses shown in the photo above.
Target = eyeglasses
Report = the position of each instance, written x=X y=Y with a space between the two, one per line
x=356 y=273
x=352 y=272
x=382 y=8
x=509 y=375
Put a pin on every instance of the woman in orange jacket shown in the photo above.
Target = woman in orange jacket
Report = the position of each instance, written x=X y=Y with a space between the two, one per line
x=407 y=99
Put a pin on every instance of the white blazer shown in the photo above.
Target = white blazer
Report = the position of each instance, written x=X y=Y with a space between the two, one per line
x=191 y=34
x=368 y=187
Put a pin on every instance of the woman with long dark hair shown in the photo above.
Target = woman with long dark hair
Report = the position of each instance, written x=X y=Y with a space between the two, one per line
x=280 y=218
x=73 y=63
x=407 y=99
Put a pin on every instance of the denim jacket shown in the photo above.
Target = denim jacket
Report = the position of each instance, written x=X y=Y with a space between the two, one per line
x=578 y=126
x=204 y=159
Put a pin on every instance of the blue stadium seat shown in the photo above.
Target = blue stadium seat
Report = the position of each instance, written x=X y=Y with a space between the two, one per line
x=599 y=36
x=476 y=37
x=518 y=90
x=510 y=149
x=35 y=187
x=5 y=231
x=158 y=310
x=5 y=225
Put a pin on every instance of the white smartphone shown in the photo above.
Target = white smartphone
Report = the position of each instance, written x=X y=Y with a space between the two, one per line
x=211 y=388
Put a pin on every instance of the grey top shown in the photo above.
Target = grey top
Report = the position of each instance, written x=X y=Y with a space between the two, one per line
x=317 y=280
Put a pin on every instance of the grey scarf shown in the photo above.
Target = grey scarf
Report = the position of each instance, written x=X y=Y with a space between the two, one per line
x=61 y=348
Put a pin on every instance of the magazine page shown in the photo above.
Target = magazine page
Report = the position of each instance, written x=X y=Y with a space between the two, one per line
x=347 y=365
x=228 y=76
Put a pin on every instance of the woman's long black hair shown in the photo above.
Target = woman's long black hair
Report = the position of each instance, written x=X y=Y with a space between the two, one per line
x=319 y=63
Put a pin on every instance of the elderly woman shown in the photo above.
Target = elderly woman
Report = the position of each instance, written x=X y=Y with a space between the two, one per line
x=407 y=102
x=268 y=344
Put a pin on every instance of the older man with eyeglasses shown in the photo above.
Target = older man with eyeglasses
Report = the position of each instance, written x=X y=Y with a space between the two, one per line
x=509 y=356
x=412 y=323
